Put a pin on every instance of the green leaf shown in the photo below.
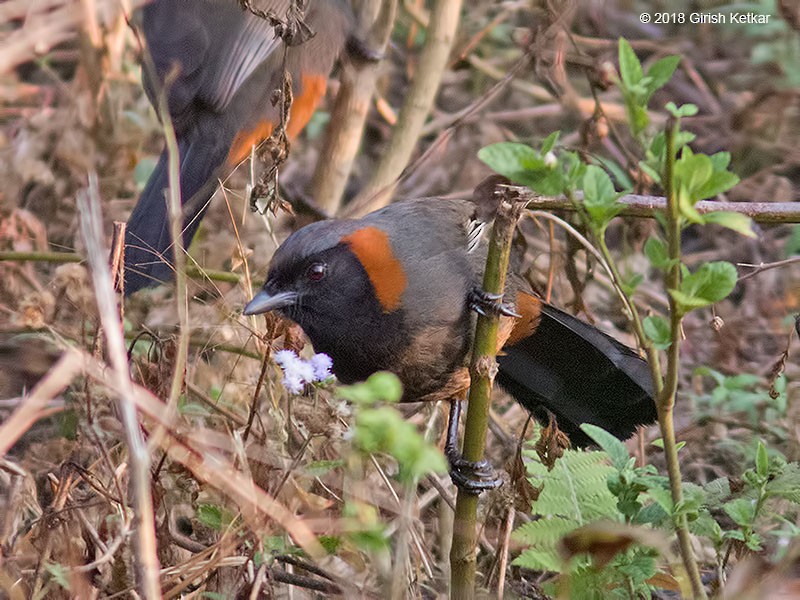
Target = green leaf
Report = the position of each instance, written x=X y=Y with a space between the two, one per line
x=718 y=183
x=523 y=165
x=549 y=142
x=214 y=517
x=709 y=284
x=616 y=449
x=656 y=251
x=762 y=460
x=657 y=330
x=741 y=510
x=685 y=110
x=736 y=221
x=385 y=386
x=599 y=196
x=630 y=69
x=661 y=72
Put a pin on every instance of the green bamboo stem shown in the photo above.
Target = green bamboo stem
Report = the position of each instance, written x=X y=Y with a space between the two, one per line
x=666 y=399
x=463 y=553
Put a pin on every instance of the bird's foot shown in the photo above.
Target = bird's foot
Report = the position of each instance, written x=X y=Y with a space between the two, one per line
x=483 y=303
x=472 y=477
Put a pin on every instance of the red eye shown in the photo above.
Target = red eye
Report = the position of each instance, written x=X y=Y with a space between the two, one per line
x=316 y=271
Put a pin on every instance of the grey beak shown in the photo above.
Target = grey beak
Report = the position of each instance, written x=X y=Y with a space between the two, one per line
x=263 y=302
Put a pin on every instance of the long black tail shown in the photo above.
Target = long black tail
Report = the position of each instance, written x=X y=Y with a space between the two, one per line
x=579 y=374
x=148 y=253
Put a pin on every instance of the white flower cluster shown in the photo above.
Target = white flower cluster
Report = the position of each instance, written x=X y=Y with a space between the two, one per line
x=298 y=372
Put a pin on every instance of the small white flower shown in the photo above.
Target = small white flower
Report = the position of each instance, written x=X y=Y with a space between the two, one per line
x=293 y=383
x=285 y=358
x=321 y=363
x=550 y=160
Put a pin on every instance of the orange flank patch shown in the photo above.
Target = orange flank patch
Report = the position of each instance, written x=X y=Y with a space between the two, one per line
x=246 y=139
x=303 y=107
x=371 y=247
x=530 y=309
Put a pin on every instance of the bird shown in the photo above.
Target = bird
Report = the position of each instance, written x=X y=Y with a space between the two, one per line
x=220 y=67
x=398 y=289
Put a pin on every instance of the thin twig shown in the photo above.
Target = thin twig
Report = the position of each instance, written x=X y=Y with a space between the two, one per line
x=146 y=559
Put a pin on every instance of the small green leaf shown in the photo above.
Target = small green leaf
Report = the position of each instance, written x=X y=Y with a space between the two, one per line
x=523 y=165
x=685 y=110
x=762 y=460
x=385 y=386
x=741 y=510
x=616 y=449
x=718 y=183
x=660 y=72
x=658 y=331
x=656 y=251
x=629 y=66
x=599 y=196
x=709 y=284
x=736 y=221
x=549 y=142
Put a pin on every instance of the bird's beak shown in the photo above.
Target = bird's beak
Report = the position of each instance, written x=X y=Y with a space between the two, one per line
x=264 y=302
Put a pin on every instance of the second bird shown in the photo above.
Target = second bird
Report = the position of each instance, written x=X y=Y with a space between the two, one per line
x=227 y=64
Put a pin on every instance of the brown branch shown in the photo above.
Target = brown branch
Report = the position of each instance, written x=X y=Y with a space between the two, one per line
x=647 y=206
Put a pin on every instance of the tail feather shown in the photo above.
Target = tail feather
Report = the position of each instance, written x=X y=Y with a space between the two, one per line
x=579 y=374
x=148 y=253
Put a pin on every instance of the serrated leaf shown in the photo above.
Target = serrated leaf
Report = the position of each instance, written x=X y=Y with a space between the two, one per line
x=658 y=331
x=741 y=510
x=656 y=251
x=616 y=449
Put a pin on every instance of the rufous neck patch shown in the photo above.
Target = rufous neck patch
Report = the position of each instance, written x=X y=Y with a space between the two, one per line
x=371 y=247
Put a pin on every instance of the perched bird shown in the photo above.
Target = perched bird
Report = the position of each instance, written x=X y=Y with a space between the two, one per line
x=220 y=67
x=397 y=291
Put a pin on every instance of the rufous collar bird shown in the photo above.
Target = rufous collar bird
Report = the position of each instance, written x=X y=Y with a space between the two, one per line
x=229 y=64
x=397 y=291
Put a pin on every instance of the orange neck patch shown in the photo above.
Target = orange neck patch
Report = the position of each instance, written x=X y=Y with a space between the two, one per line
x=372 y=249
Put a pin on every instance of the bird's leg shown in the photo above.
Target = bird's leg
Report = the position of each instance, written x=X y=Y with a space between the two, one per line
x=472 y=477
x=482 y=302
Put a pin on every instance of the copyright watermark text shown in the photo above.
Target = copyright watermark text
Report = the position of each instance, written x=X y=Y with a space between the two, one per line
x=698 y=18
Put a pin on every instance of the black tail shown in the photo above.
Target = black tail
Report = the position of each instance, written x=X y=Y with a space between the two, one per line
x=148 y=253
x=579 y=374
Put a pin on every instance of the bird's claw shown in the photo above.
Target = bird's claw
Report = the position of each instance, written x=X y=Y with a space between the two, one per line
x=483 y=303
x=472 y=477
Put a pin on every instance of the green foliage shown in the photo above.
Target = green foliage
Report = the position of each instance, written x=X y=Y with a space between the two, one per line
x=215 y=517
x=574 y=494
x=382 y=429
x=744 y=394
x=578 y=491
x=710 y=283
x=638 y=87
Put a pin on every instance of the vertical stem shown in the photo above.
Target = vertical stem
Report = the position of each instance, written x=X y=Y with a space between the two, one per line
x=445 y=15
x=666 y=399
x=482 y=372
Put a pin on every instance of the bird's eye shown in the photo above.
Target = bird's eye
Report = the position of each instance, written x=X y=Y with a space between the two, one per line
x=316 y=271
